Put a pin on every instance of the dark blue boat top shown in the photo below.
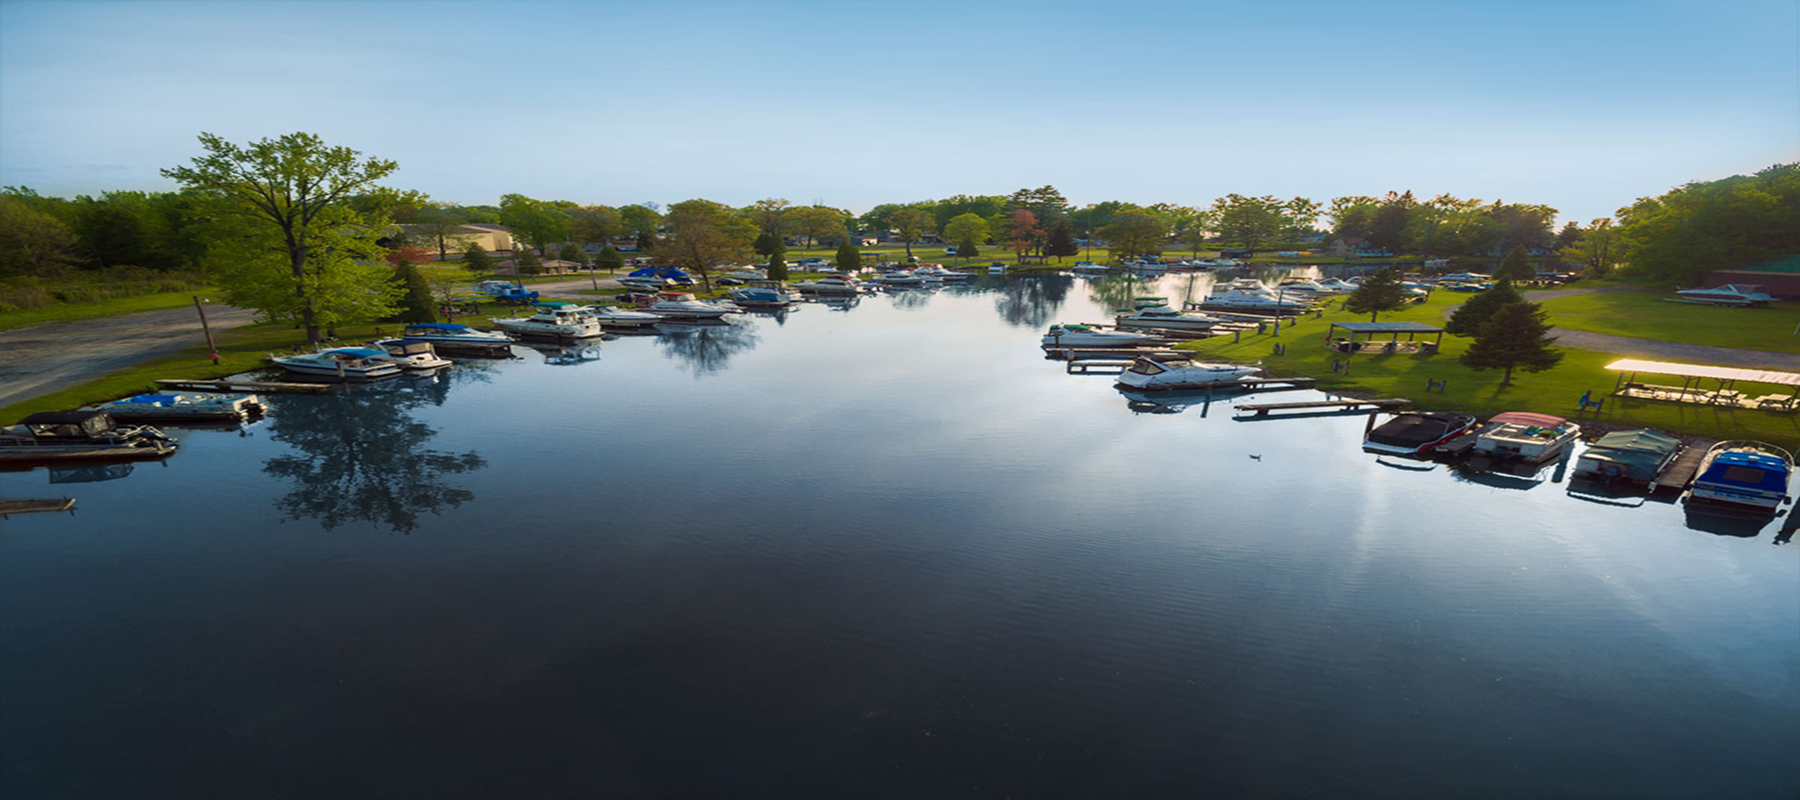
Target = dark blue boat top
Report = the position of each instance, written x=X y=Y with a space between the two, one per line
x=438 y=326
x=1747 y=469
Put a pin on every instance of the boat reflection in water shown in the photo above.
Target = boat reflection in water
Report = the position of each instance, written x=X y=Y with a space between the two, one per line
x=361 y=456
x=568 y=356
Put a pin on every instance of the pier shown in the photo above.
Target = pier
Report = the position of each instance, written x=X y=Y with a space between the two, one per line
x=1263 y=409
x=1681 y=471
x=246 y=386
x=50 y=506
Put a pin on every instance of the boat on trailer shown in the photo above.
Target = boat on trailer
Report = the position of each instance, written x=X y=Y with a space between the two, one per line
x=1416 y=433
x=1741 y=295
x=1525 y=436
x=184 y=407
x=1743 y=475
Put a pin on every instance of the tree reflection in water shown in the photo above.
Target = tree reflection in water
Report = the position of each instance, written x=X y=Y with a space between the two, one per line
x=1117 y=291
x=360 y=455
x=706 y=348
x=1030 y=301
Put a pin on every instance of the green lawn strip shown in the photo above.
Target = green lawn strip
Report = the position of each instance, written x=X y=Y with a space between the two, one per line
x=70 y=312
x=240 y=350
x=1651 y=315
x=1555 y=391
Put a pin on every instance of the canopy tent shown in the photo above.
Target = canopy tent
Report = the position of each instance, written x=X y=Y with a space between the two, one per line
x=1374 y=329
x=1690 y=390
x=1632 y=366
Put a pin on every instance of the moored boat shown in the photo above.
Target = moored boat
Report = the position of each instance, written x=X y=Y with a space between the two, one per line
x=1743 y=474
x=184 y=406
x=88 y=435
x=348 y=363
x=1627 y=458
x=453 y=338
x=831 y=284
x=1253 y=303
x=1146 y=373
x=1525 y=436
x=1088 y=268
x=683 y=306
x=1072 y=335
x=559 y=320
x=764 y=294
x=1416 y=433
x=1162 y=316
x=615 y=317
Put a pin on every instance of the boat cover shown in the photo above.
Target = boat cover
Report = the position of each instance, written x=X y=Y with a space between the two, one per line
x=153 y=399
x=438 y=326
x=1529 y=419
x=359 y=352
x=1748 y=470
x=1413 y=429
x=1640 y=452
x=71 y=423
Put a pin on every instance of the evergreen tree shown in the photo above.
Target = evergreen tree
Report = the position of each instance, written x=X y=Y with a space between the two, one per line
x=766 y=244
x=849 y=259
x=1517 y=336
x=1470 y=316
x=1515 y=267
x=477 y=260
x=967 y=249
x=610 y=259
x=416 y=304
x=1061 y=240
x=527 y=262
x=1377 y=293
x=572 y=252
x=778 y=270
x=645 y=242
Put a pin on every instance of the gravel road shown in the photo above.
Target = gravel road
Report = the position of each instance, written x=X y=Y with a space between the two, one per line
x=44 y=359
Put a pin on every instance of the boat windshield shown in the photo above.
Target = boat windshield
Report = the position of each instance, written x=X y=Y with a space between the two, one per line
x=1145 y=366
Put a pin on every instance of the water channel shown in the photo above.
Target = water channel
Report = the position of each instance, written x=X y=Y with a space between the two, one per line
x=881 y=549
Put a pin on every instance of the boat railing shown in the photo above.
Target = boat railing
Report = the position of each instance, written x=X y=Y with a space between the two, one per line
x=1750 y=444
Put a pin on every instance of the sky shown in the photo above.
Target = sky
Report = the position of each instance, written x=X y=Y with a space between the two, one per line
x=1581 y=106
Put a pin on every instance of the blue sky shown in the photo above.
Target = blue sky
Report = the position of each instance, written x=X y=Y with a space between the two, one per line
x=1581 y=106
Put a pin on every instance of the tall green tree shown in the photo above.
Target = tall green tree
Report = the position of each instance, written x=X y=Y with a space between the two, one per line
x=527 y=262
x=1516 y=337
x=299 y=250
x=1059 y=241
x=1516 y=266
x=1250 y=222
x=572 y=252
x=1600 y=248
x=818 y=224
x=704 y=234
x=32 y=242
x=595 y=224
x=477 y=260
x=1677 y=237
x=535 y=222
x=770 y=214
x=609 y=259
x=640 y=220
x=416 y=303
x=1468 y=318
x=849 y=259
x=912 y=224
x=1134 y=233
x=1379 y=292
x=765 y=244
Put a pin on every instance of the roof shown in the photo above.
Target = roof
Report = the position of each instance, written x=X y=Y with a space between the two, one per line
x=1387 y=327
x=1704 y=371
x=1641 y=440
x=1787 y=263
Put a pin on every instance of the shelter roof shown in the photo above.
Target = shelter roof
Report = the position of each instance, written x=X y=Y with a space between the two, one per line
x=1704 y=371
x=1387 y=327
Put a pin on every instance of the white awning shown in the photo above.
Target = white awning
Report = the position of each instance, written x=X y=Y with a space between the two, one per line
x=1704 y=371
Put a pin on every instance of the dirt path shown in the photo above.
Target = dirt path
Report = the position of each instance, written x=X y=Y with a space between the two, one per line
x=44 y=359
x=1658 y=350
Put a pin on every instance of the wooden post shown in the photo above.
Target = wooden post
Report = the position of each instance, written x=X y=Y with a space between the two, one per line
x=211 y=348
x=342 y=378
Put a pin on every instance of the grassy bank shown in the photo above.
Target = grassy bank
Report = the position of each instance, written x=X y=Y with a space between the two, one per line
x=1651 y=315
x=240 y=350
x=1555 y=391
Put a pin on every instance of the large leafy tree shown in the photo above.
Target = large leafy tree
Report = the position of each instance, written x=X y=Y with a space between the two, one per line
x=849 y=259
x=1468 y=318
x=912 y=224
x=1059 y=241
x=609 y=259
x=1678 y=237
x=770 y=214
x=537 y=222
x=1045 y=203
x=477 y=260
x=1021 y=228
x=967 y=232
x=1379 y=292
x=1134 y=233
x=1250 y=222
x=32 y=242
x=640 y=220
x=1516 y=337
x=1600 y=247
x=703 y=235
x=295 y=247
x=595 y=224
x=818 y=224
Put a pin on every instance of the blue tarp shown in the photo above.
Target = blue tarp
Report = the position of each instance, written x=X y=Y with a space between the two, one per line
x=438 y=326
x=658 y=272
x=152 y=398
x=1747 y=470
x=360 y=352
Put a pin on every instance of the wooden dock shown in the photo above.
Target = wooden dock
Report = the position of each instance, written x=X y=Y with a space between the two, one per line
x=1262 y=409
x=1680 y=473
x=50 y=506
x=247 y=386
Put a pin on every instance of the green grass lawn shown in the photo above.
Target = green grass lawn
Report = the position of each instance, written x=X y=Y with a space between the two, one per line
x=240 y=350
x=70 y=312
x=1651 y=315
x=1554 y=391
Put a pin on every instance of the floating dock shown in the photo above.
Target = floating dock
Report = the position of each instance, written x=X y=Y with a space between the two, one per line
x=247 y=386
x=51 y=506
x=1263 y=409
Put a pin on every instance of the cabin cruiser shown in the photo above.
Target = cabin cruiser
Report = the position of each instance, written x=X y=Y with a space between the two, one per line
x=1337 y=285
x=683 y=306
x=1416 y=433
x=350 y=363
x=765 y=294
x=615 y=317
x=447 y=336
x=1743 y=474
x=1465 y=277
x=831 y=284
x=1525 y=436
x=1731 y=294
x=1246 y=286
x=1088 y=268
x=646 y=284
x=1631 y=458
x=184 y=407
x=1306 y=288
x=416 y=356
x=996 y=268
x=560 y=321
x=1162 y=316
x=1254 y=303
x=1147 y=267
x=903 y=278
x=87 y=435
x=1146 y=373
x=748 y=274
x=1071 y=335
x=946 y=275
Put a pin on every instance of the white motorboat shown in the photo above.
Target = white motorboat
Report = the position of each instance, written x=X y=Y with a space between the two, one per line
x=1302 y=287
x=615 y=317
x=1071 y=335
x=184 y=407
x=416 y=356
x=1525 y=436
x=765 y=294
x=561 y=321
x=348 y=363
x=1337 y=285
x=748 y=274
x=1731 y=294
x=682 y=305
x=996 y=269
x=1146 y=373
x=1253 y=303
x=1147 y=267
x=1247 y=286
x=903 y=278
x=1743 y=474
x=831 y=284
x=447 y=335
x=1089 y=268
x=1162 y=316
x=946 y=275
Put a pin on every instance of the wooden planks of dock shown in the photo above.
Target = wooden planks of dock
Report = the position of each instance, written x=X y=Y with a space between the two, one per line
x=246 y=386
x=1262 y=409
x=1681 y=472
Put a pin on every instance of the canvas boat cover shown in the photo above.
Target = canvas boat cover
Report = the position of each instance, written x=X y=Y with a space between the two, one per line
x=70 y=423
x=1747 y=469
x=1640 y=452
x=1529 y=419
x=438 y=326
x=1417 y=428
x=359 y=352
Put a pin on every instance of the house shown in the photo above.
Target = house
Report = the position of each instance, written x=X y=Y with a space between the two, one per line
x=492 y=238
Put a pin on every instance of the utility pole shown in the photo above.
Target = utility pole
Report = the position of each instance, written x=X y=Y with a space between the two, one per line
x=212 y=349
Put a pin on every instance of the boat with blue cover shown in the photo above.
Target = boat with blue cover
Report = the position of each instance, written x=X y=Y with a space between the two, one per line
x=185 y=406
x=1743 y=474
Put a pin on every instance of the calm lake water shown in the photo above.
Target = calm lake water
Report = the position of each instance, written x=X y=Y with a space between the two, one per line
x=879 y=551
